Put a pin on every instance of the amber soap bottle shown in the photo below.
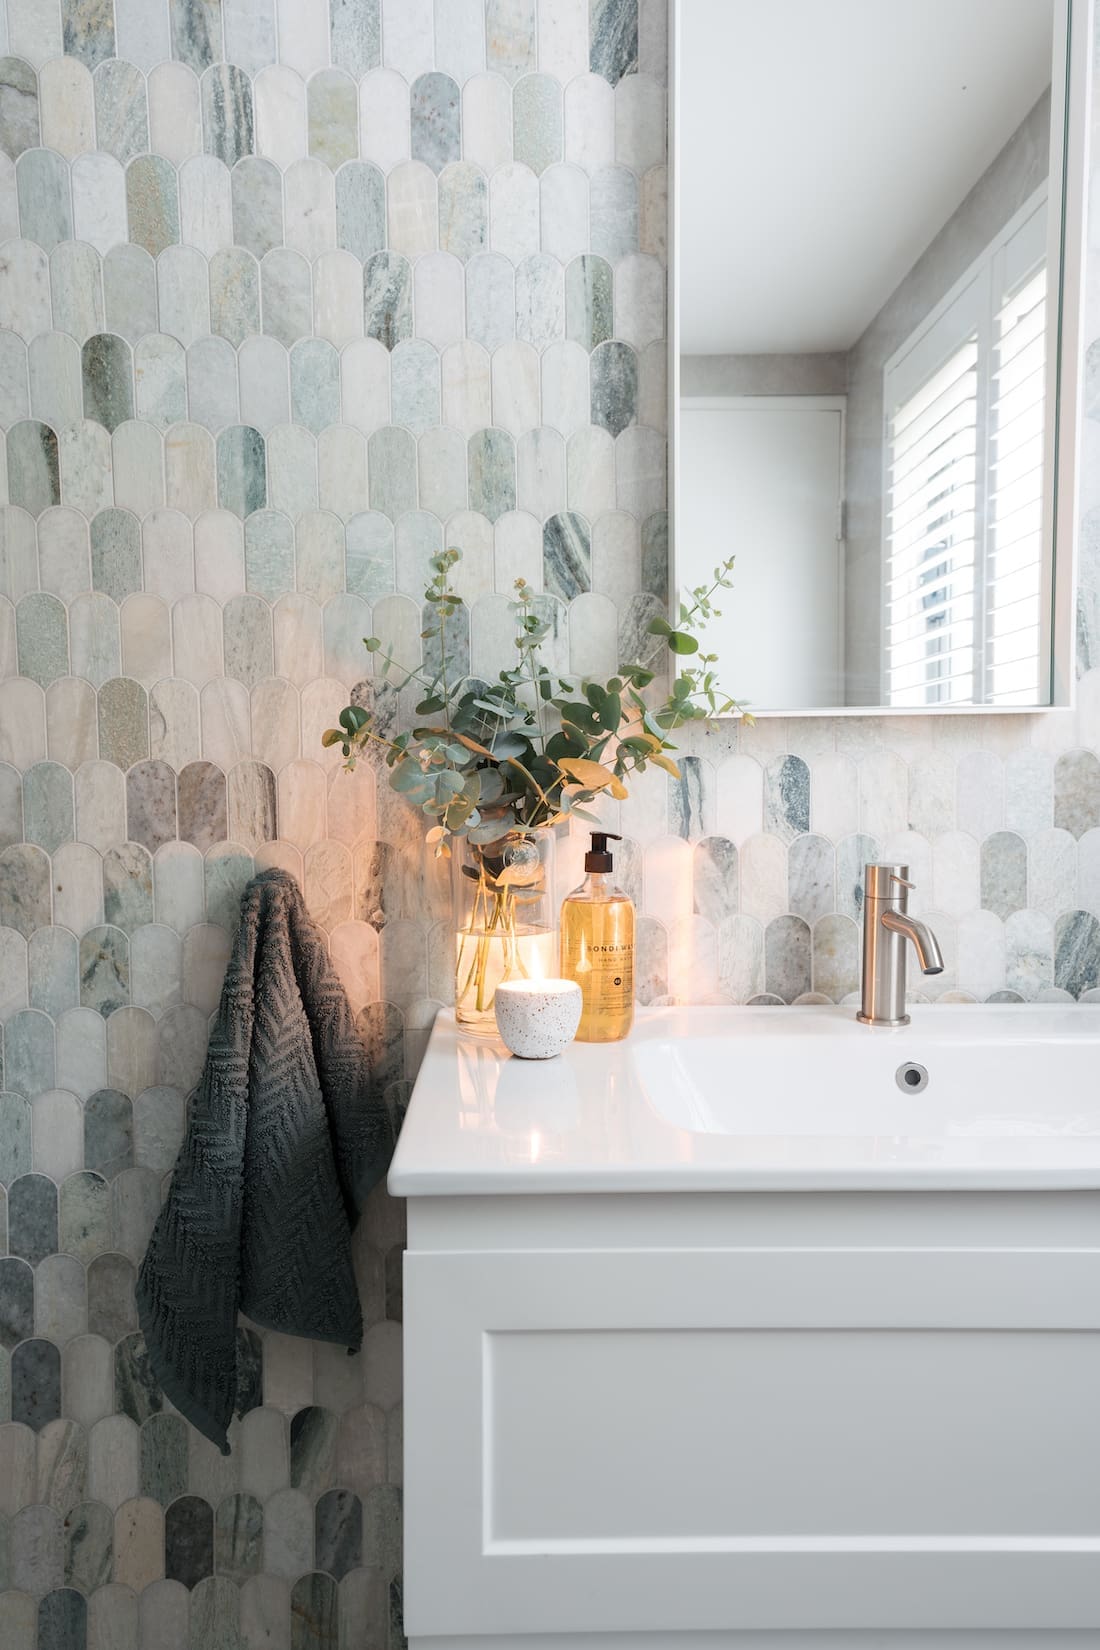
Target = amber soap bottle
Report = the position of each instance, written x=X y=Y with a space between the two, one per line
x=597 y=947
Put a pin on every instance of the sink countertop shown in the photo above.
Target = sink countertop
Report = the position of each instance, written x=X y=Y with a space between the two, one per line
x=802 y=1098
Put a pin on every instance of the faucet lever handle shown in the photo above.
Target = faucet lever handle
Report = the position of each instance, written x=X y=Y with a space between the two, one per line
x=901 y=881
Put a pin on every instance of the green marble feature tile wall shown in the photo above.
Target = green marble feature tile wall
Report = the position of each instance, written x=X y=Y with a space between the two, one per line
x=291 y=296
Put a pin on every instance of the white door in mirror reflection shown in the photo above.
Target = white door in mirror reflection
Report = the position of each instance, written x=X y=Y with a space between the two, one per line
x=761 y=479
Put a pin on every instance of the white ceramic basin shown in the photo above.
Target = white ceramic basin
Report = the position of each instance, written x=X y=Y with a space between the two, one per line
x=954 y=1073
x=708 y=1099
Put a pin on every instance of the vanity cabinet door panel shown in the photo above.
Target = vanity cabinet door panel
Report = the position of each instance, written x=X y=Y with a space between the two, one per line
x=714 y=1439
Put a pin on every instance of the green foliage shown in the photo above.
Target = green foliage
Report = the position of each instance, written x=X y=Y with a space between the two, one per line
x=533 y=747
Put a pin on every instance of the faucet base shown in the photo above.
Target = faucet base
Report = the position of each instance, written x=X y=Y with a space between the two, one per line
x=873 y=1020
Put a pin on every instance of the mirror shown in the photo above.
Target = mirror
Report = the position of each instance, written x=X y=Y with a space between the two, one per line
x=877 y=247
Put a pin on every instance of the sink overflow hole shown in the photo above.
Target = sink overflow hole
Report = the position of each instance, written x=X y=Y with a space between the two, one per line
x=911 y=1078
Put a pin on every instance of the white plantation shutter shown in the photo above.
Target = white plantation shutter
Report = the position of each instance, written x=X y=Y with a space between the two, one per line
x=932 y=505
x=1014 y=562
x=964 y=487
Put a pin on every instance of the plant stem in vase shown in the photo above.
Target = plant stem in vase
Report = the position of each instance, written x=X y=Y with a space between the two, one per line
x=504 y=926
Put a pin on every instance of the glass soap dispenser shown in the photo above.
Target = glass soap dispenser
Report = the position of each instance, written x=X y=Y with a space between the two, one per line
x=597 y=947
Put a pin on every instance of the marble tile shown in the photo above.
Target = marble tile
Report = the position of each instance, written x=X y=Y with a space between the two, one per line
x=314 y=1613
x=1077 y=792
x=33 y=469
x=35 y=1402
x=333 y=113
x=463 y=210
x=45 y=207
x=61 y=1466
x=175 y=110
x=387 y=299
x=614 y=386
x=811 y=877
x=288 y=1534
x=314 y=384
x=108 y=1133
x=391 y=469
x=32 y=1218
x=85 y=1216
x=19 y=128
x=492 y=473
x=196 y=31
x=48 y=805
x=257 y=197
x=356 y=35
x=510 y=37
x=211 y=371
x=189 y=1540
x=121 y=112
x=227 y=113
x=338 y=1532
x=62 y=1620
x=1077 y=952
x=614 y=39
x=238 y=1537
x=16 y=1302
x=58 y=1129
x=88 y=1532
x=23 y=888
x=514 y=226
x=242 y=472
x=15 y=1137
x=130 y=296
x=112 y=1312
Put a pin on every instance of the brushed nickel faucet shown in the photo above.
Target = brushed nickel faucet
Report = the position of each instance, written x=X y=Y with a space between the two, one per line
x=887 y=926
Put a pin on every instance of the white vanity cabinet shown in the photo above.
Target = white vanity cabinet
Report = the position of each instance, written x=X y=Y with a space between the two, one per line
x=696 y=1415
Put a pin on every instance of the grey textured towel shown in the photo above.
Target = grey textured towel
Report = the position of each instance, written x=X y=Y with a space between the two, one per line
x=285 y=1137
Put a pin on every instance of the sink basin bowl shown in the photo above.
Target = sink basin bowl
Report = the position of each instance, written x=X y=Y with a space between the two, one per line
x=954 y=1073
x=719 y=1098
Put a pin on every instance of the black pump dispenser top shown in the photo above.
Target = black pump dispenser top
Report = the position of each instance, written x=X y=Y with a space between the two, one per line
x=598 y=858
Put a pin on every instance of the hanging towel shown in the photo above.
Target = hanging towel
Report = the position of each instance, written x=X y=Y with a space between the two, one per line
x=286 y=1135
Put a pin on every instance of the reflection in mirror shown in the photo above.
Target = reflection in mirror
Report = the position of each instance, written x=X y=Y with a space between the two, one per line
x=869 y=262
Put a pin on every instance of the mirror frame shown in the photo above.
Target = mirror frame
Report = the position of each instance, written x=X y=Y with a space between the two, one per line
x=1070 y=103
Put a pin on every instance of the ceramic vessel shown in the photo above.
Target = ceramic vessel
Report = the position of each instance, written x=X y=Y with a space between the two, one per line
x=537 y=1018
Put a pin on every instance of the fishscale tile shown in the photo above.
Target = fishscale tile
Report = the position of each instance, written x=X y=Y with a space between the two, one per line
x=238 y=1537
x=257 y=193
x=333 y=113
x=355 y=33
x=537 y=116
x=152 y=198
x=112 y=1312
x=314 y=1612
x=234 y=294
x=35 y=1402
x=88 y=1532
x=108 y=380
x=121 y=115
x=45 y=207
x=67 y=106
x=510 y=37
x=16 y=1302
x=189 y=1540
x=33 y=471
x=196 y=31
x=18 y=106
x=227 y=112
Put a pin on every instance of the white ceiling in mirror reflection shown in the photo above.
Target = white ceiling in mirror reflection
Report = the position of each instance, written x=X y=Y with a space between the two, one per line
x=822 y=223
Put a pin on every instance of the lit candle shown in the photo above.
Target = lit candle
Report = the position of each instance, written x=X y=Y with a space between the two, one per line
x=537 y=1018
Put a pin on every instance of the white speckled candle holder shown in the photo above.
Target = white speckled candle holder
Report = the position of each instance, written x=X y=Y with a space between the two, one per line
x=537 y=1018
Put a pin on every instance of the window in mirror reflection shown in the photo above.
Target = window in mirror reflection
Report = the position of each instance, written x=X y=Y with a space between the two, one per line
x=865 y=344
x=964 y=485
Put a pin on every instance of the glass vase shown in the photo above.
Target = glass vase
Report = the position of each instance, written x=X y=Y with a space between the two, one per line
x=505 y=923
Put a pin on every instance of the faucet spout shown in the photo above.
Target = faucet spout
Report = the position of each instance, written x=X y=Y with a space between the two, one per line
x=924 y=941
x=887 y=926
